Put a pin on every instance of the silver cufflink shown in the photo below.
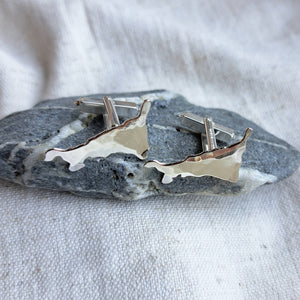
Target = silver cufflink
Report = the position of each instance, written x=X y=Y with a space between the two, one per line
x=129 y=137
x=223 y=163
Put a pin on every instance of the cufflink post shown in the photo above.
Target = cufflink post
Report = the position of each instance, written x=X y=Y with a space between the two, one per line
x=111 y=118
x=98 y=106
x=196 y=124
x=210 y=134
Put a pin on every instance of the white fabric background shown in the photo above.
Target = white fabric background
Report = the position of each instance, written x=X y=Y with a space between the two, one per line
x=239 y=55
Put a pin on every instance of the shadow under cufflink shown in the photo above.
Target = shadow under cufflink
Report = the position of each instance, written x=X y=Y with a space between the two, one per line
x=223 y=163
x=128 y=137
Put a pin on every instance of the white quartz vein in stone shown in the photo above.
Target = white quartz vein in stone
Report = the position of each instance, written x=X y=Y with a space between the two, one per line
x=39 y=150
x=162 y=127
x=139 y=186
x=251 y=179
x=269 y=143
x=165 y=95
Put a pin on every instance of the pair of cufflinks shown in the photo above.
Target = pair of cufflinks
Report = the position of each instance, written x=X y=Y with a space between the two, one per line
x=131 y=137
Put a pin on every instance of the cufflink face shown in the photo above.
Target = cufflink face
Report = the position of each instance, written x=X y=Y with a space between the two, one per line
x=129 y=137
x=223 y=163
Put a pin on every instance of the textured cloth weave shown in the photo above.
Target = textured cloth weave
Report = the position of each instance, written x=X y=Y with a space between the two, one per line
x=238 y=55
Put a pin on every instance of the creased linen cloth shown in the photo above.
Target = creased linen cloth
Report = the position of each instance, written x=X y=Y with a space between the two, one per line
x=238 y=55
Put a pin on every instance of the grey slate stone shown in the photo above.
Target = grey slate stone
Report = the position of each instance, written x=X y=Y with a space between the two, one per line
x=26 y=135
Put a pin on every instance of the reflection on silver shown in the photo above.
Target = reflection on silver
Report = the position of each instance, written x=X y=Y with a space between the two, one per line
x=129 y=137
x=223 y=163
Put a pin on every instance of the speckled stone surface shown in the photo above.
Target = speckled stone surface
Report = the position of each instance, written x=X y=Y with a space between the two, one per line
x=26 y=135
